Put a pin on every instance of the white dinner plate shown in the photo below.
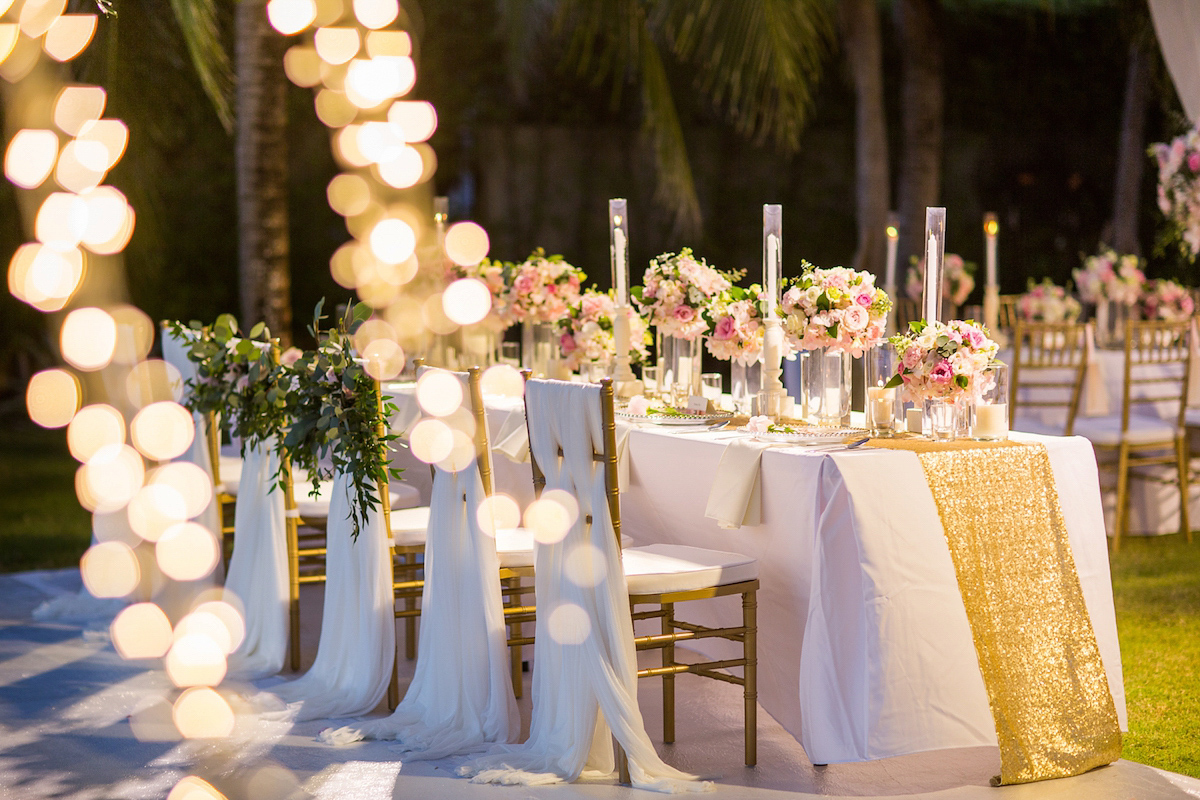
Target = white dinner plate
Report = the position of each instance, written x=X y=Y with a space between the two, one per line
x=806 y=435
x=666 y=419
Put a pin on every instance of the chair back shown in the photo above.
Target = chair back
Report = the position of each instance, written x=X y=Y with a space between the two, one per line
x=1048 y=364
x=1157 y=369
x=1007 y=313
x=604 y=437
x=473 y=391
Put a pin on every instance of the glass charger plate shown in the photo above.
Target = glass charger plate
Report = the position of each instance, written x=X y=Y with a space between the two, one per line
x=668 y=419
x=807 y=435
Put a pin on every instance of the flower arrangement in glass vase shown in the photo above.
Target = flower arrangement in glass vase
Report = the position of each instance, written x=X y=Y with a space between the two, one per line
x=1167 y=300
x=1110 y=276
x=677 y=292
x=1047 y=302
x=736 y=317
x=1179 y=190
x=958 y=279
x=539 y=289
x=838 y=308
x=586 y=333
x=941 y=360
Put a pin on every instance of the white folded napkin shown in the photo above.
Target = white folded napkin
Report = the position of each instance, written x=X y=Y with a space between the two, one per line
x=736 y=495
x=1193 y=388
x=1095 y=386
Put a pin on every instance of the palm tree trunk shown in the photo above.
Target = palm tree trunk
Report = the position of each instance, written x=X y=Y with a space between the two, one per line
x=261 y=156
x=1131 y=153
x=859 y=21
x=918 y=24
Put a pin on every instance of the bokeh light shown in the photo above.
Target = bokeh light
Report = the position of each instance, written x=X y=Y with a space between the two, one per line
x=95 y=426
x=337 y=45
x=195 y=660
x=551 y=516
x=88 y=338
x=78 y=105
x=201 y=713
x=72 y=174
x=502 y=380
x=569 y=624
x=135 y=334
x=291 y=16
x=431 y=440
x=52 y=398
x=348 y=194
x=110 y=478
x=230 y=617
x=38 y=15
x=153 y=381
x=467 y=243
x=392 y=240
x=110 y=569
x=467 y=301
x=376 y=13
x=404 y=170
x=585 y=566
x=206 y=623
x=61 y=221
x=30 y=157
x=154 y=510
x=302 y=65
x=497 y=513
x=384 y=359
x=433 y=314
x=189 y=481
x=439 y=393
x=141 y=630
x=69 y=35
x=9 y=33
x=162 y=431
x=187 y=552
x=389 y=43
x=103 y=142
x=334 y=109
x=193 y=788
x=417 y=120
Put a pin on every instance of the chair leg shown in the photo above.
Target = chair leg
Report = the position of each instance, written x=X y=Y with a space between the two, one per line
x=393 y=695
x=410 y=622
x=293 y=545
x=622 y=765
x=1181 y=456
x=750 y=673
x=668 y=684
x=1122 y=495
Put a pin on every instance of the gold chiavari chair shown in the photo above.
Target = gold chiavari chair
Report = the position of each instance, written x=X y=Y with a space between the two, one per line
x=1156 y=372
x=1049 y=362
x=660 y=576
x=1007 y=316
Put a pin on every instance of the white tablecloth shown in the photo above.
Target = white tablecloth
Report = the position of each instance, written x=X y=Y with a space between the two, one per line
x=864 y=648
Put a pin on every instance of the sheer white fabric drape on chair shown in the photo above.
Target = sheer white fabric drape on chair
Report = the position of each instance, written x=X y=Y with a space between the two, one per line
x=358 y=630
x=460 y=699
x=585 y=675
x=258 y=568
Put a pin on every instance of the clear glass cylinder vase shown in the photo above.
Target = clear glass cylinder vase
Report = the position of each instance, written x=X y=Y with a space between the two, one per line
x=679 y=370
x=745 y=383
x=478 y=346
x=883 y=406
x=945 y=418
x=539 y=348
x=827 y=386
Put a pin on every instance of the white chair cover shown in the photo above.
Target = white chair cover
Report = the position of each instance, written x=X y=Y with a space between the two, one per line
x=175 y=355
x=358 y=631
x=461 y=696
x=585 y=676
x=258 y=569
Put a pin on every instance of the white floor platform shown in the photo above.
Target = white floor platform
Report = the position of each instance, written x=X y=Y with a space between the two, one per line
x=66 y=699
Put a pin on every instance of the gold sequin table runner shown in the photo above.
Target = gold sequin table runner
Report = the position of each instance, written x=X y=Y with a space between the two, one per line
x=1046 y=684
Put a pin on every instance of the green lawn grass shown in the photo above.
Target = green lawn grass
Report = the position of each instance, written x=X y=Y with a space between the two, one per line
x=1156 y=586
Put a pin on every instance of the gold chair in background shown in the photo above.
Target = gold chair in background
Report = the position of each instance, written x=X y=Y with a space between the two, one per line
x=1049 y=363
x=1156 y=372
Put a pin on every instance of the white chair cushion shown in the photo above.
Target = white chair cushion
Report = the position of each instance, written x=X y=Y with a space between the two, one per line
x=1142 y=430
x=405 y=495
x=1032 y=424
x=658 y=568
x=409 y=526
x=514 y=547
x=318 y=507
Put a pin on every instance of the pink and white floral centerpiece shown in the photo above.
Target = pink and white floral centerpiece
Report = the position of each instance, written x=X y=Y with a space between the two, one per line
x=540 y=289
x=1048 y=302
x=586 y=333
x=1110 y=276
x=737 y=326
x=942 y=360
x=958 y=279
x=1179 y=189
x=1167 y=300
x=838 y=308
x=677 y=291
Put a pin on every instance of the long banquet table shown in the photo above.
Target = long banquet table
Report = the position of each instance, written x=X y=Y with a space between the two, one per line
x=864 y=647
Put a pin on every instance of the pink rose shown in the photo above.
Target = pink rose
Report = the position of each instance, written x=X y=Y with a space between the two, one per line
x=863 y=299
x=524 y=283
x=942 y=373
x=855 y=318
x=684 y=313
x=758 y=424
x=791 y=298
x=911 y=357
x=290 y=356
x=638 y=405
x=1193 y=162
x=726 y=329
x=567 y=343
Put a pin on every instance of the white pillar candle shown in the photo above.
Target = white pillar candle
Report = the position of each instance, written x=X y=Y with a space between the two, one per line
x=991 y=421
x=619 y=225
x=935 y=232
x=772 y=273
x=882 y=403
x=990 y=229
x=772 y=254
x=622 y=288
x=913 y=417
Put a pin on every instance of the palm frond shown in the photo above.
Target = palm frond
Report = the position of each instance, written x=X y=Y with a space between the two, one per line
x=199 y=22
x=759 y=59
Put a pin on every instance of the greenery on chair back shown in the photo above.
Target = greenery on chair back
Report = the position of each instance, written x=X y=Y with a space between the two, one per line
x=236 y=377
x=337 y=414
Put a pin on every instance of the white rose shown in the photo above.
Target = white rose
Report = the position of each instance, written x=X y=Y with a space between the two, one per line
x=855 y=318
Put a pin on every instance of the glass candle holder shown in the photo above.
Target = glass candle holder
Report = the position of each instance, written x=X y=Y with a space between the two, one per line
x=944 y=417
x=883 y=407
x=989 y=413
